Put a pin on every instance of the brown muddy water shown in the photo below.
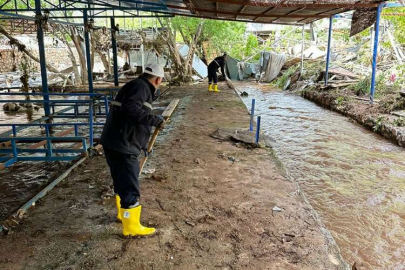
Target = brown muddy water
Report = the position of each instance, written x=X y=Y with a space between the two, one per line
x=353 y=178
x=23 y=180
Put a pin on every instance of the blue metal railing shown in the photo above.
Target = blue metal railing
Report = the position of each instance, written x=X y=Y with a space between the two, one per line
x=96 y=106
x=49 y=151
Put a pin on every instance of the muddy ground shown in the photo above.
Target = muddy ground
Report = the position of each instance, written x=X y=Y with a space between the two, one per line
x=210 y=200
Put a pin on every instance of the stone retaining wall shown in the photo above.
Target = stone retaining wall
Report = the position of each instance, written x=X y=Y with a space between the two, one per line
x=371 y=121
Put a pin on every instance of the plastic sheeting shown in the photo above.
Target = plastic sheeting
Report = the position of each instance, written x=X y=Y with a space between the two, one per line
x=237 y=70
x=271 y=64
x=150 y=57
x=232 y=68
x=198 y=64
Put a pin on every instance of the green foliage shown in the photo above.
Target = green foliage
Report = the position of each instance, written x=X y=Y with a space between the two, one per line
x=339 y=101
x=379 y=123
x=251 y=44
x=223 y=36
x=399 y=122
x=391 y=102
x=281 y=81
x=397 y=21
x=363 y=86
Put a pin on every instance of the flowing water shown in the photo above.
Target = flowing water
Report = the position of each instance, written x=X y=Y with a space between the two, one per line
x=354 y=179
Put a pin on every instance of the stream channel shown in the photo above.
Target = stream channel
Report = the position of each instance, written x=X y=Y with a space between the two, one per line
x=353 y=178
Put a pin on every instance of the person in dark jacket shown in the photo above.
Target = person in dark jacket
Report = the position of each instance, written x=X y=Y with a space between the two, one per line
x=213 y=67
x=125 y=135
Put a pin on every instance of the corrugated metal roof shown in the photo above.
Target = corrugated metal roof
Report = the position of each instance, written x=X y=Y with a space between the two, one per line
x=278 y=11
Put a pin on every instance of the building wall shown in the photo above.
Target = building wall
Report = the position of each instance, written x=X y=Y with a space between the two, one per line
x=10 y=59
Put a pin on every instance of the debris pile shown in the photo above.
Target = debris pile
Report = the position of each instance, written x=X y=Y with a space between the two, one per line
x=20 y=107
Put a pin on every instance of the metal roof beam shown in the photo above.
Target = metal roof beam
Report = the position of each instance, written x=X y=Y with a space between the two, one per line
x=191 y=6
x=231 y=19
x=267 y=10
x=251 y=14
x=309 y=6
x=320 y=13
x=91 y=5
x=291 y=12
x=240 y=11
x=119 y=16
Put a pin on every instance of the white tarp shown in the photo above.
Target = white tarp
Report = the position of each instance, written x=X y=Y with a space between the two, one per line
x=271 y=64
x=150 y=57
x=198 y=65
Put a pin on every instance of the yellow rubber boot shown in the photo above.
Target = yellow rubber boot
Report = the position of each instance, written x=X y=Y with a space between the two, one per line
x=118 y=203
x=216 y=88
x=210 y=87
x=131 y=224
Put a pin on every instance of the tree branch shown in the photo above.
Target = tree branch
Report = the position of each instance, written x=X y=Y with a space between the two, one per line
x=21 y=47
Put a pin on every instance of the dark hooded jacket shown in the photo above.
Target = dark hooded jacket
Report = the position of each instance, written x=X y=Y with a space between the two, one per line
x=218 y=62
x=129 y=123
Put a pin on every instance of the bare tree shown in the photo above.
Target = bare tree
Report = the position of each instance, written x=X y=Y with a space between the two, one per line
x=182 y=65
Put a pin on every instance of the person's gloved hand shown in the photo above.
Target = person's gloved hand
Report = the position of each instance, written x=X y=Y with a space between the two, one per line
x=162 y=123
x=146 y=153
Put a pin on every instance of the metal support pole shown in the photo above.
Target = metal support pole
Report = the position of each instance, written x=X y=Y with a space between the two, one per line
x=48 y=142
x=42 y=60
x=114 y=50
x=91 y=124
x=375 y=53
x=143 y=58
x=142 y=51
x=328 y=52
x=106 y=105
x=14 y=131
x=14 y=147
x=87 y=44
x=302 y=50
x=258 y=129
x=252 y=114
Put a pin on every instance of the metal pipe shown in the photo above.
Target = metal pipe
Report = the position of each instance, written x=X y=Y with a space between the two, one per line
x=114 y=50
x=258 y=129
x=88 y=55
x=142 y=50
x=14 y=131
x=252 y=114
x=328 y=52
x=13 y=145
x=375 y=53
x=91 y=137
x=48 y=124
x=106 y=105
x=48 y=142
x=302 y=49
x=58 y=94
x=42 y=59
x=45 y=118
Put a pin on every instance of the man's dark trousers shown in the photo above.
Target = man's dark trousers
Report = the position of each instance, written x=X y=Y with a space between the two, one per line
x=125 y=173
x=212 y=74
